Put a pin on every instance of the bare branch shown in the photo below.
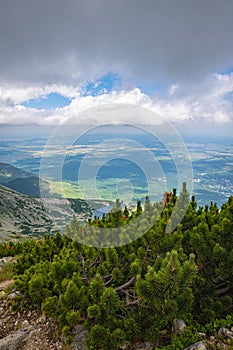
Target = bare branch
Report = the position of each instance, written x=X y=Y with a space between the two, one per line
x=84 y=267
x=125 y=285
x=135 y=302
x=108 y=282
x=94 y=261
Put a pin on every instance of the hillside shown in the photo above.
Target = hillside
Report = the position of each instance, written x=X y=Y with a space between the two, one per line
x=21 y=215
x=20 y=180
x=27 y=185
x=8 y=173
x=24 y=216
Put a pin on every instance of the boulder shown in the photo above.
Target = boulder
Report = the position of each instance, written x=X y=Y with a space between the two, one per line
x=15 y=341
x=225 y=333
x=200 y=345
x=178 y=326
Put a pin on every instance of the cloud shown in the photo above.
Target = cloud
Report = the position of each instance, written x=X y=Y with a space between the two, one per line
x=18 y=93
x=174 y=51
x=18 y=114
x=68 y=42
x=209 y=102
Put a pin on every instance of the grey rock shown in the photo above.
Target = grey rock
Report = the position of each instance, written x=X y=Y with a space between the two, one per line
x=197 y=346
x=202 y=335
x=178 y=326
x=226 y=333
x=125 y=346
x=79 y=338
x=8 y=259
x=14 y=341
x=13 y=295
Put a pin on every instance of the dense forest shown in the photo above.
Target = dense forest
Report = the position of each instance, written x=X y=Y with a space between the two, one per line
x=134 y=289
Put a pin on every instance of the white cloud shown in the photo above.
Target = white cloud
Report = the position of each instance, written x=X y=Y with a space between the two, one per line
x=172 y=89
x=205 y=102
x=208 y=102
x=15 y=113
x=9 y=94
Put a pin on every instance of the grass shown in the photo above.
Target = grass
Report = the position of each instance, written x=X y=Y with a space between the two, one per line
x=6 y=271
x=106 y=190
x=64 y=189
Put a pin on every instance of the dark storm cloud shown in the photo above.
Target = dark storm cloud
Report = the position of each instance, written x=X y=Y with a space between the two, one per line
x=160 y=40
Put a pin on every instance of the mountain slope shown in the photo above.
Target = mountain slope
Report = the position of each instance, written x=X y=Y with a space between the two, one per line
x=24 y=216
x=20 y=180
x=21 y=215
x=8 y=173
x=27 y=185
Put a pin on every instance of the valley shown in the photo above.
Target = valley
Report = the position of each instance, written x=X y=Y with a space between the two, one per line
x=211 y=159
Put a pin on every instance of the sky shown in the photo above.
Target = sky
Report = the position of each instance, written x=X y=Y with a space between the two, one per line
x=58 y=58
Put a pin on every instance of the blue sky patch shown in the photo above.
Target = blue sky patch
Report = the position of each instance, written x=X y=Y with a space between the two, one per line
x=48 y=102
x=148 y=89
x=105 y=84
x=229 y=96
x=227 y=71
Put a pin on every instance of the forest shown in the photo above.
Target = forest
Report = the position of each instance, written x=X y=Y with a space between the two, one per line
x=132 y=290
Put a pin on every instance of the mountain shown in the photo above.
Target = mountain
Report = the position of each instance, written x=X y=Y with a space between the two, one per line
x=20 y=180
x=8 y=173
x=21 y=215
x=24 y=216
x=27 y=185
x=24 y=213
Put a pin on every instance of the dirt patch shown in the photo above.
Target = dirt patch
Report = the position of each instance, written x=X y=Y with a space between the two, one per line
x=5 y=284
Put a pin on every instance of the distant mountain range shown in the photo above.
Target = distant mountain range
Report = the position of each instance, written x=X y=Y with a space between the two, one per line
x=20 y=180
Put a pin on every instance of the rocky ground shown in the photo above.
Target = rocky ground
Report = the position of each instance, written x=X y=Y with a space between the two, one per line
x=27 y=331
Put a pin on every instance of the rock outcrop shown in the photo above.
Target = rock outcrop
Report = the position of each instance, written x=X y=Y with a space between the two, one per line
x=15 y=341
